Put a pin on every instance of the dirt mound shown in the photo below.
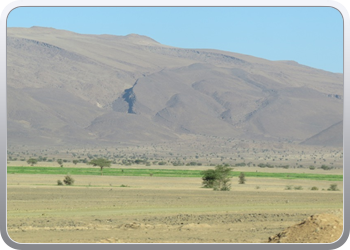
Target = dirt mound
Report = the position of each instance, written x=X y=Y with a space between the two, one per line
x=320 y=228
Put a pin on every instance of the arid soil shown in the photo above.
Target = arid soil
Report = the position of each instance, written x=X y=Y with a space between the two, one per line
x=319 y=228
x=154 y=209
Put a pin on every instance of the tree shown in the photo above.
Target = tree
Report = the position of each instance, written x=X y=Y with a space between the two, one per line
x=222 y=182
x=101 y=162
x=209 y=176
x=60 y=162
x=218 y=178
x=75 y=162
x=241 y=178
x=32 y=161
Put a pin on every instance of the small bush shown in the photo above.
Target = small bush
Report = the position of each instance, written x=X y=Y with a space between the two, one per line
x=124 y=185
x=314 y=188
x=59 y=183
x=241 y=178
x=257 y=187
x=333 y=187
x=325 y=167
x=288 y=187
x=298 y=188
x=312 y=167
x=68 y=180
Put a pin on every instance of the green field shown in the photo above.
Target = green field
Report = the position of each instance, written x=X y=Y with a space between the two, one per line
x=160 y=173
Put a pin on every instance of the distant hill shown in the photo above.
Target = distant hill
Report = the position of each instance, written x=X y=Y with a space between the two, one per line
x=332 y=136
x=69 y=88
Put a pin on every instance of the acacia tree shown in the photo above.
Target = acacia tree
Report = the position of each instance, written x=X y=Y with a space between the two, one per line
x=222 y=182
x=209 y=176
x=101 y=162
x=218 y=178
x=32 y=161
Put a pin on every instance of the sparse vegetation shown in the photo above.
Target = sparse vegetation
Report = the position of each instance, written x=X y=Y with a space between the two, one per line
x=314 y=188
x=59 y=183
x=298 y=188
x=32 y=161
x=60 y=162
x=68 y=180
x=288 y=187
x=241 y=178
x=325 y=167
x=163 y=173
x=333 y=187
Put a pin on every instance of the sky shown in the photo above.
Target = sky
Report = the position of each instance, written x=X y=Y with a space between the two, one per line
x=311 y=36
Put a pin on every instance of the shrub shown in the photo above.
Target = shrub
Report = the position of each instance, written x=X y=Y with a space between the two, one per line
x=298 y=188
x=242 y=164
x=59 y=183
x=124 y=185
x=257 y=187
x=60 y=162
x=68 y=180
x=325 y=167
x=32 y=161
x=314 y=188
x=288 y=187
x=312 y=167
x=333 y=187
x=241 y=178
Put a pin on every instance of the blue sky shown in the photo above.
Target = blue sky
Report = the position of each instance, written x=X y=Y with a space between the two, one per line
x=312 y=36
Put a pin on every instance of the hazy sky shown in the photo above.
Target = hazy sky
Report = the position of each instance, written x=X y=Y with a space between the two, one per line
x=312 y=36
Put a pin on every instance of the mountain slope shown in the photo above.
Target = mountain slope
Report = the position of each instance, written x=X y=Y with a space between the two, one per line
x=332 y=136
x=79 y=89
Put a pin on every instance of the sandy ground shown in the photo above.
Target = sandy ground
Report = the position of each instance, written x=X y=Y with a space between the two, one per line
x=156 y=209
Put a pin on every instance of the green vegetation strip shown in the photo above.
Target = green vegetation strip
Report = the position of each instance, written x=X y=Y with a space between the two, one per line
x=160 y=173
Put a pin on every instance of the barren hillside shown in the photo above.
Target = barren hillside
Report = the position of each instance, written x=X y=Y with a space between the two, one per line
x=69 y=88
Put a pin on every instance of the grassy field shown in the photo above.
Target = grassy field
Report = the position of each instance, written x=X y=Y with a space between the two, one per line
x=160 y=173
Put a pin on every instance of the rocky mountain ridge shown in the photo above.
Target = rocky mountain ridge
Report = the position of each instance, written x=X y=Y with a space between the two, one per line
x=69 y=88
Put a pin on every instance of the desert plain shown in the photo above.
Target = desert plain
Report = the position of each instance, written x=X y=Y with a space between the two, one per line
x=151 y=209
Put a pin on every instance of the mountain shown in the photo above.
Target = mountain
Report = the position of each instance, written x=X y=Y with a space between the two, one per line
x=65 y=88
x=332 y=136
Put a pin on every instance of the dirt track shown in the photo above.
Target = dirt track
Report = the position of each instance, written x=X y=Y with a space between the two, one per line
x=180 y=212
